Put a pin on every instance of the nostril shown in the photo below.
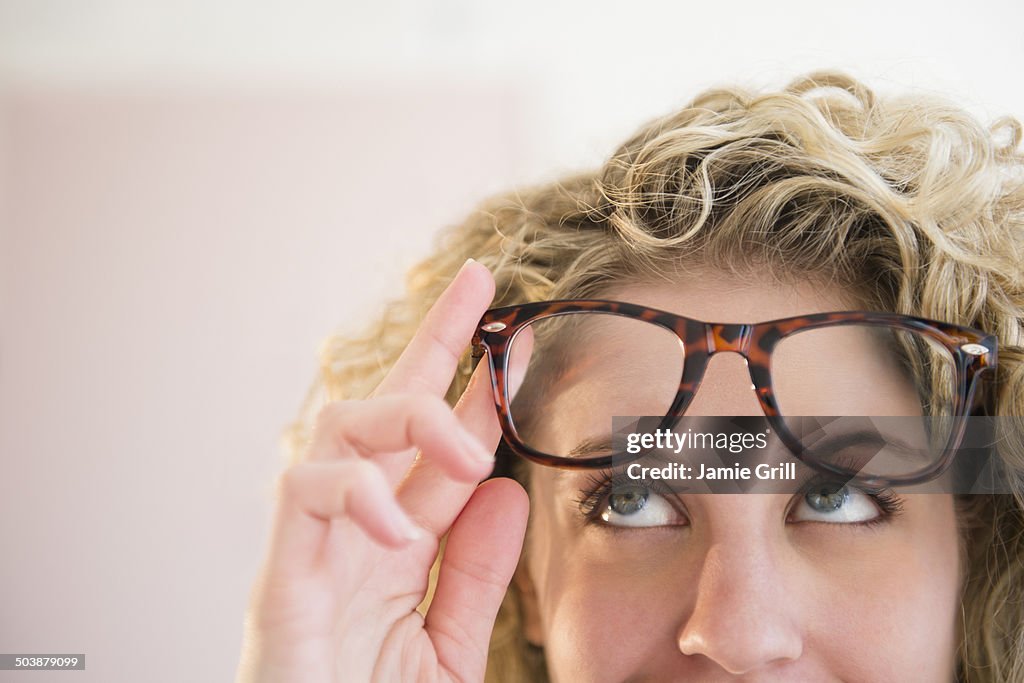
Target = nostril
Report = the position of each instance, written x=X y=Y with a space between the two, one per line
x=738 y=618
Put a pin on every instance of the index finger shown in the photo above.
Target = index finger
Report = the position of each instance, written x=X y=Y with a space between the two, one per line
x=429 y=362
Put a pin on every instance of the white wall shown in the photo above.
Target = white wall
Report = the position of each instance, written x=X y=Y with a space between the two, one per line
x=618 y=62
x=193 y=194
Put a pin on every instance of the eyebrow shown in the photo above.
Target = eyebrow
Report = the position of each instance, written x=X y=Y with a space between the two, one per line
x=591 y=446
x=602 y=444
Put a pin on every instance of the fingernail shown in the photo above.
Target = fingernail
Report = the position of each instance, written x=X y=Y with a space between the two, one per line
x=463 y=267
x=476 y=449
x=405 y=527
x=412 y=533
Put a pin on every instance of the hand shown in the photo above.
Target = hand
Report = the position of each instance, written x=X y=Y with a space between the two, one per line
x=358 y=522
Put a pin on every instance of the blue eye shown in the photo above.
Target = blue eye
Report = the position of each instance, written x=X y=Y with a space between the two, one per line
x=617 y=501
x=637 y=506
x=845 y=505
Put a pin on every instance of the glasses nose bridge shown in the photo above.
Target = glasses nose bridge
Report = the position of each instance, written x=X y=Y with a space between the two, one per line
x=728 y=337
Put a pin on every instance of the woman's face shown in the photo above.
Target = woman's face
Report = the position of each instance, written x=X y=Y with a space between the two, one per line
x=723 y=587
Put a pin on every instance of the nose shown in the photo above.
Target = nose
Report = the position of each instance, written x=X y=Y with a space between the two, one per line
x=744 y=617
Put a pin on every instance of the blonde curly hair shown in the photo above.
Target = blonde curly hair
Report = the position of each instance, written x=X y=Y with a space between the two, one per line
x=907 y=200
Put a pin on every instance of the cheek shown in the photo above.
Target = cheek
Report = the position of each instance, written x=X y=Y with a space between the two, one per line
x=605 y=620
x=889 y=609
x=601 y=603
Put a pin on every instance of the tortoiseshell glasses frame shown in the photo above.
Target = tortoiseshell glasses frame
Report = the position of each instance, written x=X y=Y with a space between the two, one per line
x=973 y=352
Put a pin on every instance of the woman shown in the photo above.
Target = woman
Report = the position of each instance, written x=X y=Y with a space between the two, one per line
x=741 y=208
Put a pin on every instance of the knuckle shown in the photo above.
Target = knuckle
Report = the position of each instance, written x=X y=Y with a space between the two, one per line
x=331 y=415
x=422 y=412
x=359 y=475
x=360 y=479
x=334 y=426
x=481 y=573
x=430 y=410
x=360 y=471
x=432 y=420
x=290 y=481
x=448 y=346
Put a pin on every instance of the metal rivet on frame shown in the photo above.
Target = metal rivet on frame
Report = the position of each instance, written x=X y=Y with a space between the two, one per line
x=493 y=327
x=974 y=349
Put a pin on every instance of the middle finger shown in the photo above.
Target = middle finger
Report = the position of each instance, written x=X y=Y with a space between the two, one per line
x=428 y=494
x=389 y=429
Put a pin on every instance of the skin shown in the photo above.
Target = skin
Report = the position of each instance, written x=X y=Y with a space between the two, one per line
x=358 y=523
x=737 y=587
x=724 y=588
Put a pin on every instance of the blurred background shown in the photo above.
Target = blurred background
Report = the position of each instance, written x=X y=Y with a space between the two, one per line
x=194 y=194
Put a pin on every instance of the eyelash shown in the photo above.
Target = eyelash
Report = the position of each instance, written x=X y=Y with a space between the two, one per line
x=592 y=496
x=599 y=485
x=889 y=504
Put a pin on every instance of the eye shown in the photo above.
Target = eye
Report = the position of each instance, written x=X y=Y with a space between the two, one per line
x=843 y=505
x=635 y=505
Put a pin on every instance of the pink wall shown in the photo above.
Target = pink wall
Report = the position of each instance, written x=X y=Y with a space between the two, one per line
x=170 y=260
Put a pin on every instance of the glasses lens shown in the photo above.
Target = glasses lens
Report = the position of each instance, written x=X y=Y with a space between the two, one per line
x=582 y=370
x=870 y=399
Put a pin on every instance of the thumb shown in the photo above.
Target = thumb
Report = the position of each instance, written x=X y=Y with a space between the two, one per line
x=480 y=557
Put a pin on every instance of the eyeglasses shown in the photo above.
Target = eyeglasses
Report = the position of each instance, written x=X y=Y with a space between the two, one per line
x=588 y=361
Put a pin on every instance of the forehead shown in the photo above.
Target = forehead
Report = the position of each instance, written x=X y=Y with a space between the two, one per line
x=716 y=296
